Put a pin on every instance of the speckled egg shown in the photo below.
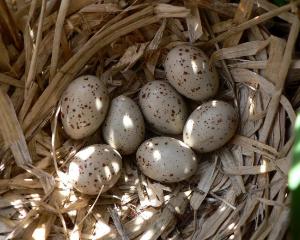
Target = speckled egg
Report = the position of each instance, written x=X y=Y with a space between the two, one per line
x=188 y=71
x=163 y=108
x=210 y=126
x=93 y=167
x=166 y=159
x=124 y=127
x=83 y=106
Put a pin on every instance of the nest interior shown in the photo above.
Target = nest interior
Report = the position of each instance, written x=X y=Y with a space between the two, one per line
x=238 y=192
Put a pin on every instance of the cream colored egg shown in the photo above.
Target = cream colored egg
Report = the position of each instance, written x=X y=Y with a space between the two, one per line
x=188 y=71
x=124 y=127
x=94 y=167
x=166 y=159
x=210 y=126
x=163 y=108
x=83 y=106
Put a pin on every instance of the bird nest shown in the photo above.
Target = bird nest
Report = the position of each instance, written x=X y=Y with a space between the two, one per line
x=238 y=192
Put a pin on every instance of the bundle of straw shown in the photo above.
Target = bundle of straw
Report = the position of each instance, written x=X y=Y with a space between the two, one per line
x=238 y=192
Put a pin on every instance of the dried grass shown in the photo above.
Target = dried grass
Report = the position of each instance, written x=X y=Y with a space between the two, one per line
x=238 y=192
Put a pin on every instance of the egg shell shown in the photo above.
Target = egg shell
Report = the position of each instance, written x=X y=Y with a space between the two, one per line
x=84 y=106
x=166 y=159
x=124 y=127
x=188 y=71
x=210 y=126
x=93 y=167
x=163 y=108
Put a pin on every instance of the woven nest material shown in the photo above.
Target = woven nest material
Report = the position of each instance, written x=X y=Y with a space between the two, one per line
x=238 y=192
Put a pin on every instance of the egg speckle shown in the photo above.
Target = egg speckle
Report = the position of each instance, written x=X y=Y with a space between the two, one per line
x=166 y=159
x=83 y=106
x=93 y=167
x=188 y=71
x=163 y=108
x=210 y=126
x=124 y=127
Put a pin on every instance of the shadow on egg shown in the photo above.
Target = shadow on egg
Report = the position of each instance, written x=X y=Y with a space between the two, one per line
x=166 y=159
x=127 y=124
x=91 y=169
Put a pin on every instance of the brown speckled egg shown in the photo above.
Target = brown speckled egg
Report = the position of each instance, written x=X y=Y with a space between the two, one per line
x=93 y=167
x=163 y=108
x=83 y=106
x=166 y=159
x=210 y=126
x=124 y=127
x=188 y=71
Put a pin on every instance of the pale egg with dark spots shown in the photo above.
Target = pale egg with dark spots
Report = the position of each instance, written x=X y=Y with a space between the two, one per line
x=166 y=159
x=163 y=108
x=94 y=168
x=210 y=126
x=188 y=71
x=124 y=127
x=83 y=106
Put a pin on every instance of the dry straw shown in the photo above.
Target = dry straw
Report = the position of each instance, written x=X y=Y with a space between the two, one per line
x=238 y=192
